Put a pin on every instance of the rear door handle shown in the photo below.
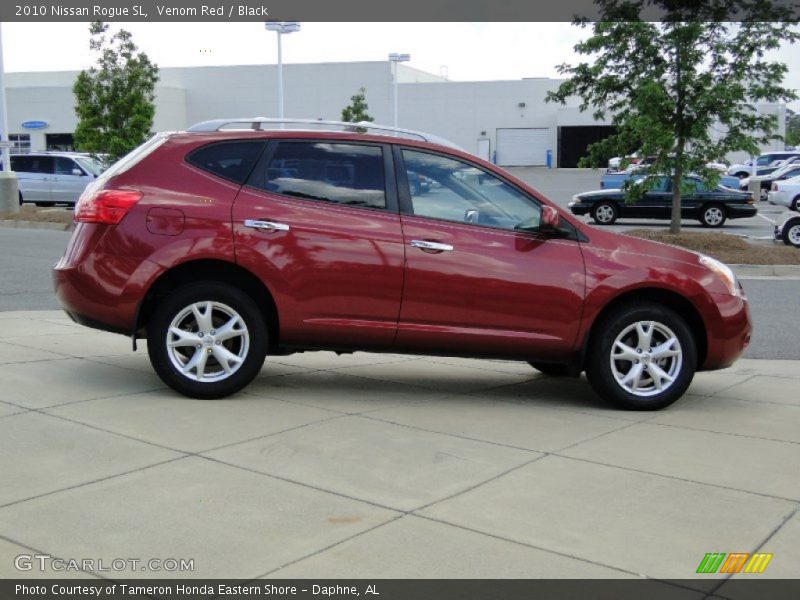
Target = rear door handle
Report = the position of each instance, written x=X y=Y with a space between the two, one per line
x=434 y=246
x=266 y=225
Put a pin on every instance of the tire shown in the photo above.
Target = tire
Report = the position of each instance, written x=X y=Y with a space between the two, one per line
x=795 y=205
x=764 y=195
x=605 y=213
x=44 y=204
x=791 y=235
x=743 y=174
x=620 y=335
x=554 y=370
x=242 y=352
x=20 y=198
x=713 y=215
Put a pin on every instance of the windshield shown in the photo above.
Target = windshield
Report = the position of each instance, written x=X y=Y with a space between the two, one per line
x=89 y=164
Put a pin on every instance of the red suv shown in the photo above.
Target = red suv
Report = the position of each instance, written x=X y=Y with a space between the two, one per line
x=221 y=246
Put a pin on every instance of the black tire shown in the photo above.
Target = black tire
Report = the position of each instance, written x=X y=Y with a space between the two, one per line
x=44 y=204
x=713 y=215
x=795 y=205
x=791 y=234
x=763 y=194
x=603 y=377
x=249 y=347
x=554 y=370
x=20 y=197
x=605 y=213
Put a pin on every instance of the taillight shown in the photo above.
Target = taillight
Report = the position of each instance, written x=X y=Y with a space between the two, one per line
x=774 y=187
x=105 y=206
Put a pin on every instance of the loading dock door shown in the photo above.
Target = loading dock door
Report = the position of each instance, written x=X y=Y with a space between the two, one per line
x=522 y=147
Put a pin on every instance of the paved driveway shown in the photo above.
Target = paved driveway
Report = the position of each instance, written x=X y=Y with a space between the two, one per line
x=386 y=466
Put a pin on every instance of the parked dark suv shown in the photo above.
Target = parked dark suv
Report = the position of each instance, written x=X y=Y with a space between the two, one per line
x=223 y=246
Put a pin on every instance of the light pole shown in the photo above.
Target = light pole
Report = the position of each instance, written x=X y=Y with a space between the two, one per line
x=281 y=27
x=395 y=58
x=8 y=181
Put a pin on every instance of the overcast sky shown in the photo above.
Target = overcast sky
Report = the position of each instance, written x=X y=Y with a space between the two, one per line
x=464 y=51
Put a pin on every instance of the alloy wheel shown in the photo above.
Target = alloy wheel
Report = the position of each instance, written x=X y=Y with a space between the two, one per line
x=793 y=235
x=713 y=216
x=646 y=358
x=207 y=341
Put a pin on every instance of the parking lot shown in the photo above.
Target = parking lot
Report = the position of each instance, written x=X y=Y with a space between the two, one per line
x=385 y=466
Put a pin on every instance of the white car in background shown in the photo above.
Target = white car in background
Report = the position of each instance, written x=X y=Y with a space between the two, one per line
x=768 y=159
x=49 y=178
x=786 y=193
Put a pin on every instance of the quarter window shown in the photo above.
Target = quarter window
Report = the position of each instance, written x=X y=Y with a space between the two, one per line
x=230 y=160
x=339 y=173
x=452 y=190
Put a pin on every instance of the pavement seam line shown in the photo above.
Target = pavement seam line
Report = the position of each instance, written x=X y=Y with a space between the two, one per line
x=91 y=482
x=369 y=417
x=675 y=478
x=333 y=545
x=300 y=483
x=477 y=485
x=741 y=435
x=763 y=543
x=41 y=552
x=525 y=544
x=73 y=402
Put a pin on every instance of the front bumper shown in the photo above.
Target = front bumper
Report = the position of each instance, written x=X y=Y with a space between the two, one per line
x=578 y=208
x=728 y=333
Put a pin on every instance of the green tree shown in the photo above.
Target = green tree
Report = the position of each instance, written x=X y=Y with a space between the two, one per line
x=682 y=90
x=356 y=111
x=114 y=100
x=792 y=128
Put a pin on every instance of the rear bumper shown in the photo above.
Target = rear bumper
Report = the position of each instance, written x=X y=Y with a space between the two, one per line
x=778 y=198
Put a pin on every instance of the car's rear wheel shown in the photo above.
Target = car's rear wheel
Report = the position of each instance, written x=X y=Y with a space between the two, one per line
x=641 y=357
x=791 y=235
x=554 y=370
x=764 y=195
x=20 y=197
x=713 y=215
x=207 y=340
x=605 y=213
x=795 y=204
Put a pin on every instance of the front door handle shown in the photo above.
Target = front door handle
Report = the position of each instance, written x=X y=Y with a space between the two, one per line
x=432 y=246
x=266 y=225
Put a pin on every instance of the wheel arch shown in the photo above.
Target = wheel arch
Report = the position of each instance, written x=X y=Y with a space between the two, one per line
x=673 y=300
x=208 y=270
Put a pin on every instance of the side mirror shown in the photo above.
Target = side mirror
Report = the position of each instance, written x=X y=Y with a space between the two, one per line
x=550 y=217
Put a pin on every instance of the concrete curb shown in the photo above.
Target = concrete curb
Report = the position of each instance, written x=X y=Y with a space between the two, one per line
x=749 y=271
x=18 y=224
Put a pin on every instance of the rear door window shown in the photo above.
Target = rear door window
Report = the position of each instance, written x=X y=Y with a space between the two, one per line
x=32 y=164
x=230 y=160
x=333 y=172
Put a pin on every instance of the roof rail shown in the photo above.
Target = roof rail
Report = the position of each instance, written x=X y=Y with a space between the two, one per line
x=257 y=123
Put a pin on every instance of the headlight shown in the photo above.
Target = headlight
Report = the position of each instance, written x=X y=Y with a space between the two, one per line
x=724 y=272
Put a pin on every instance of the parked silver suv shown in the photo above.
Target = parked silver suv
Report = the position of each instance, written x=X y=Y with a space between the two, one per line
x=49 y=178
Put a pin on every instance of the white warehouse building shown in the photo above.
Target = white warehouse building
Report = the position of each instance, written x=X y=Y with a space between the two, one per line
x=508 y=122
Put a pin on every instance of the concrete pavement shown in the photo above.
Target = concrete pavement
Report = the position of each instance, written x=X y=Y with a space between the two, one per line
x=386 y=466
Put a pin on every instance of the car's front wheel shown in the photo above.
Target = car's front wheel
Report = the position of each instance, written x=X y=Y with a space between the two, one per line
x=605 y=213
x=795 y=204
x=641 y=357
x=713 y=215
x=207 y=340
x=791 y=234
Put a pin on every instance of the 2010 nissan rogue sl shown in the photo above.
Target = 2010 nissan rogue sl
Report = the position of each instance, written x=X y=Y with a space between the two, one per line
x=222 y=246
